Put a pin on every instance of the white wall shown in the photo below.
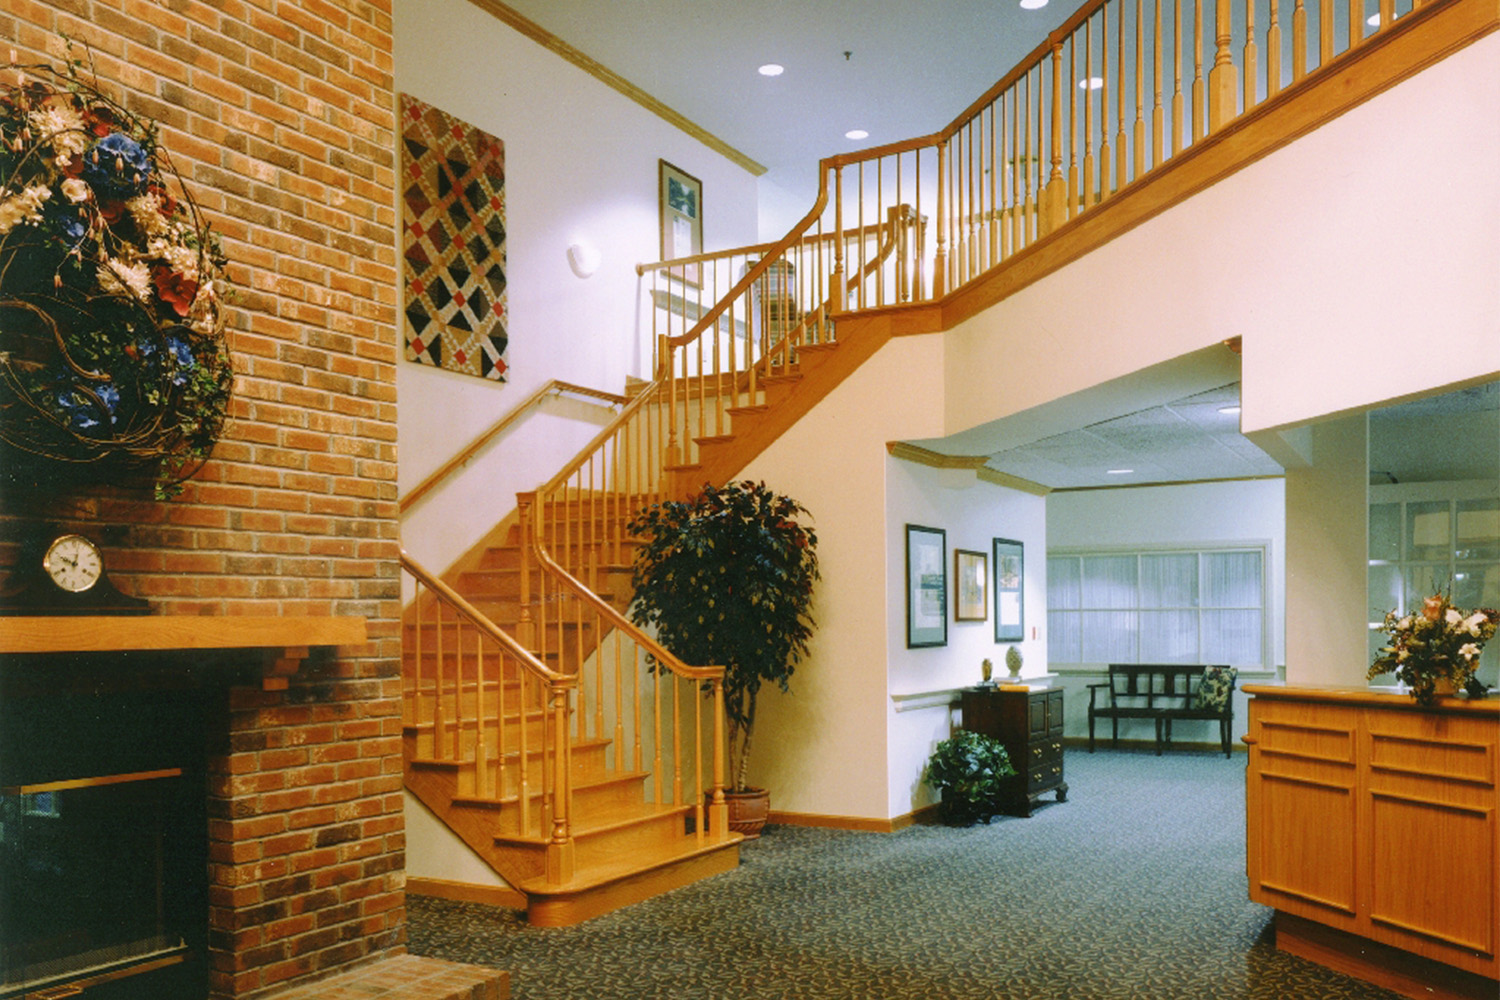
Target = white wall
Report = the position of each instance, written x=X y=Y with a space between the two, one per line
x=822 y=748
x=972 y=513
x=1196 y=514
x=1327 y=575
x=581 y=164
x=1358 y=264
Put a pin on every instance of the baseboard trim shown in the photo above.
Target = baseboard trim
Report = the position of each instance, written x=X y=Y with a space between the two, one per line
x=466 y=892
x=1389 y=968
x=862 y=824
x=1105 y=743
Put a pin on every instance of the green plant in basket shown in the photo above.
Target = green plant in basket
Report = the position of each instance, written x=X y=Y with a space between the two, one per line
x=969 y=771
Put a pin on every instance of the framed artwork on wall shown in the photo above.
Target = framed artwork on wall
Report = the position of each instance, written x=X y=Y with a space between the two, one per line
x=453 y=243
x=970 y=581
x=681 y=197
x=1010 y=574
x=926 y=586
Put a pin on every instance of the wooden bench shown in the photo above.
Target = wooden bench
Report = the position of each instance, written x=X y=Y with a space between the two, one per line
x=1163 y=693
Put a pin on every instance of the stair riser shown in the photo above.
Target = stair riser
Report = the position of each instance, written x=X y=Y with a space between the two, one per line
x=637 y=837
x=587 y=764
x=611 y=551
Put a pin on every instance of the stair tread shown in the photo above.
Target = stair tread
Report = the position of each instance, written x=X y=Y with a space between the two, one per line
x=636 y=814
x=600 y=781
x=586 y=744
x=592 y=876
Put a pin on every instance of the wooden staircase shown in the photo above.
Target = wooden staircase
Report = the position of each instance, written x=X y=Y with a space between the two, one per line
x=479 y=752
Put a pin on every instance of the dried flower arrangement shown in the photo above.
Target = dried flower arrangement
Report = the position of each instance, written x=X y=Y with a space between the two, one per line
x=1440 y=643
x=113 y=362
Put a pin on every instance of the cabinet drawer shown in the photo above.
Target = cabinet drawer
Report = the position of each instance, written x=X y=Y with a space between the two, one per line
x=1044 y=776
x=1044 y=750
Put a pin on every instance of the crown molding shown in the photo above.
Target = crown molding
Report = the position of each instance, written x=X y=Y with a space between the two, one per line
x=615 y=81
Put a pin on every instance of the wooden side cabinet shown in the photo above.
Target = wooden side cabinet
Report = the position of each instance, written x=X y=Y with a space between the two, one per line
x=1029 y=723
x=1376 y=818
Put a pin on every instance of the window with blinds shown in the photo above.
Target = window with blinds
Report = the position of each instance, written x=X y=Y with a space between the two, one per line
x=1182 y=606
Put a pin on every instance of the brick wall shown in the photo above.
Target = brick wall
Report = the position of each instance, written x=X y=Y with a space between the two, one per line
x=279 y=117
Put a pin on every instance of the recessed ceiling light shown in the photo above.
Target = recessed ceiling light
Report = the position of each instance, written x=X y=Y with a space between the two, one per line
x=1373 y=20
x=1092 y=83
x=1033 y=4
x=771 y=69
x=1118 y=472
x=1229 y=409
x=856 y=133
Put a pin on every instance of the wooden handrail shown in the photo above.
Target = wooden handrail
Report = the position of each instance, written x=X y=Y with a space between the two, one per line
x=756 y=249
x=555 y=387
x=596 y=604
x=759 y=269
x=475 y=617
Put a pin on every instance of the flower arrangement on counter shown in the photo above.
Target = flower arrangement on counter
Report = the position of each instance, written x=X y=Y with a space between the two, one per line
x=1438 y=643
x=113 y=363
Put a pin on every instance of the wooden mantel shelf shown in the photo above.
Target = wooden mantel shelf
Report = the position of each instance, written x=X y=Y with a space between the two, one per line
x=286 y=640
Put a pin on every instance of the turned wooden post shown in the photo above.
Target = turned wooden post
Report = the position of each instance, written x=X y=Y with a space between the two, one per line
x=1221 y=78
x=1055 y=212
x=560 y=844
x=940 y=257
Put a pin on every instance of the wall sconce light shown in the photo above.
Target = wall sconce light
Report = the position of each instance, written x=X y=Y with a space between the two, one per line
x=583 y=258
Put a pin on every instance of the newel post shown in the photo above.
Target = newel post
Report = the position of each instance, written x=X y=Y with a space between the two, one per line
x=560 y=845
x=718 y=810
x=836 y=293
x=1223 y=89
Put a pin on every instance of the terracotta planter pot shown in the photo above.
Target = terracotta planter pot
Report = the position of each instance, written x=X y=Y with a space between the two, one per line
x=747 y=810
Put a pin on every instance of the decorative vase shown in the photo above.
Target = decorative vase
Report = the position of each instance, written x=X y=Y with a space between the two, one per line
x=747 y=810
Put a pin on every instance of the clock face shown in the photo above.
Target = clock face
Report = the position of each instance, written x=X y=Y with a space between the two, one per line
x=73 y=563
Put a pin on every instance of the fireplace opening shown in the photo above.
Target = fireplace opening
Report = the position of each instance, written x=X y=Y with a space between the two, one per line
x=103 y=838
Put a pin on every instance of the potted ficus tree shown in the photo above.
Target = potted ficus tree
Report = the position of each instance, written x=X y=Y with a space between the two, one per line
x=726 y=579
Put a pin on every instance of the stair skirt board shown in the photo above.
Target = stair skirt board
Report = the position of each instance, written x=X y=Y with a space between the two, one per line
x=466 y=892
x=587 y=897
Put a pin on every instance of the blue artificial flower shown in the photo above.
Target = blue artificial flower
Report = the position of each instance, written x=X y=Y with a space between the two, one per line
x=81 y=410
x=116 y=166
x=69 y=224
x=182 y=356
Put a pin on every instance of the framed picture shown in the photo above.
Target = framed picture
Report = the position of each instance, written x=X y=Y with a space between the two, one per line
x=970 y=580
x=926 y=586
x=681 y=221
x=1010 y=574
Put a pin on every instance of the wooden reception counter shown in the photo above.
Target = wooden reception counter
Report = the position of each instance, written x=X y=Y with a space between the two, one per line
x=1371 y=829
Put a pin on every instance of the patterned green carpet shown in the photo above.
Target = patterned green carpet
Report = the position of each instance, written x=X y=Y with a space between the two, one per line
x=1133 y=889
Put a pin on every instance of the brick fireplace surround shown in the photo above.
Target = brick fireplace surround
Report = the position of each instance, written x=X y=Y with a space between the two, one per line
x=279 y=116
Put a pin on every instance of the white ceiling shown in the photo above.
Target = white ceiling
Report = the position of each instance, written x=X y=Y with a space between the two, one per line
x=901 y=69
x=1188 y=439
x=912 y=66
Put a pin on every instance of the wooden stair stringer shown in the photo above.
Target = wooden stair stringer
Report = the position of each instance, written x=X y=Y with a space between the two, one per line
x=861 y=335
x=514 y=861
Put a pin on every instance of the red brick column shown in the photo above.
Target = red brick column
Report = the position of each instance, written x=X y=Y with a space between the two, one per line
x=279 y=116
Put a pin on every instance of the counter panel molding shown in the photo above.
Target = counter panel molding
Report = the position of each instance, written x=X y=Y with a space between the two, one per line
x=1376 y=818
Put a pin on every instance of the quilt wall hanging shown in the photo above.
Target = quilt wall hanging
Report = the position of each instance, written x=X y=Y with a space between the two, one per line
x=453 y=242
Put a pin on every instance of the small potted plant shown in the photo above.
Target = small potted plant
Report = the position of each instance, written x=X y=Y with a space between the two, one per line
x=969 y=771
x=1435 y=651
x=726 y=579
